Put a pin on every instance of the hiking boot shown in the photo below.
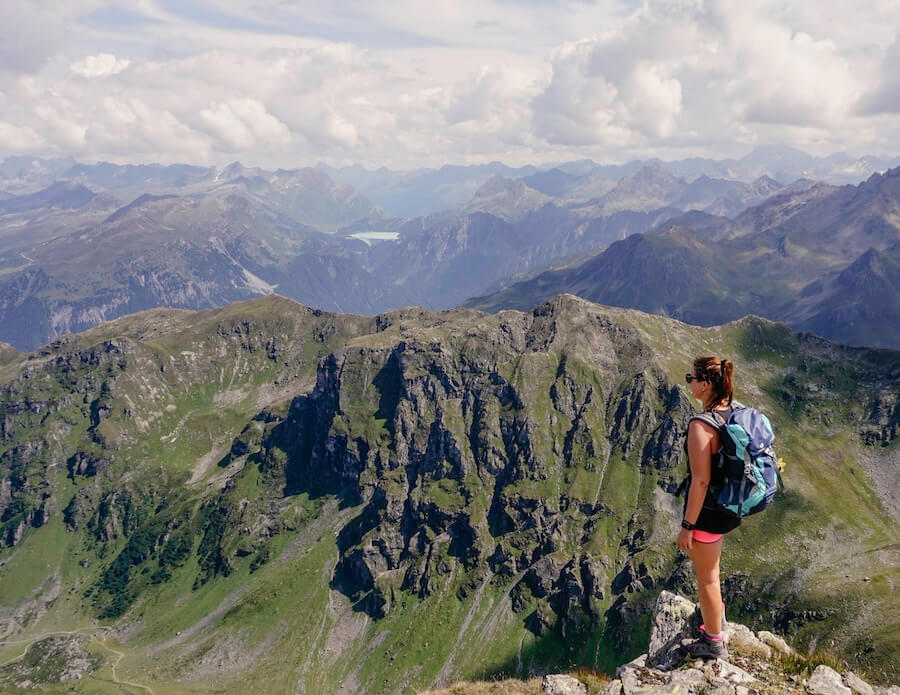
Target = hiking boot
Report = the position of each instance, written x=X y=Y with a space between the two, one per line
x=705 y=648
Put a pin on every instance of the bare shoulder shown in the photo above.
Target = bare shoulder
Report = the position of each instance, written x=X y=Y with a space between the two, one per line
x=702 y=431
x=698 y=425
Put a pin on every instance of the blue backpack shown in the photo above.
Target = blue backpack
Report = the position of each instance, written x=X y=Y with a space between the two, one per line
x=747 y=460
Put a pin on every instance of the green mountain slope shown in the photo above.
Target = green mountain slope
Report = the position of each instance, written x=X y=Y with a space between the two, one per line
x=8 y=353
x=321 y=502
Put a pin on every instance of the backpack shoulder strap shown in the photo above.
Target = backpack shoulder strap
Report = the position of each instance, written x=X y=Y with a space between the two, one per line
x=708 y=418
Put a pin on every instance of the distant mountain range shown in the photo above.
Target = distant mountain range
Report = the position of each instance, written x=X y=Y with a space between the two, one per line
x=80 y=244
x=422 y=191
x=824 y=260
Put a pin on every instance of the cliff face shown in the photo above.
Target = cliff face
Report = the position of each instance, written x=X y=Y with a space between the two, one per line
x=463 y=493
x=515 y=455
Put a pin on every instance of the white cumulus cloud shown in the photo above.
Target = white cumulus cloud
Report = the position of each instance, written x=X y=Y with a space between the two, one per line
x=884 y=97
x=100 y=65
x=18 y=139
x=244 y=123
x=409 y=83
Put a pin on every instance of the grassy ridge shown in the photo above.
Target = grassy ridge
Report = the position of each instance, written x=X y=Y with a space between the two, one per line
x=258 y=601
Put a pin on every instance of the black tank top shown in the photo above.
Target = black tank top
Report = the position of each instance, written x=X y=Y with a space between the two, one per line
x=711 y=518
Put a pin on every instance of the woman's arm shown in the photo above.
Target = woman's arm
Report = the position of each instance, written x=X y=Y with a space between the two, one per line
x=702 y=443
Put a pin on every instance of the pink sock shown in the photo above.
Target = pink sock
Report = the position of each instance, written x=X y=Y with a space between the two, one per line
x=715 y=637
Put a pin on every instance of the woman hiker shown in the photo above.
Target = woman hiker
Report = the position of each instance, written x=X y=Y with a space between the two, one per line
x=703 y=527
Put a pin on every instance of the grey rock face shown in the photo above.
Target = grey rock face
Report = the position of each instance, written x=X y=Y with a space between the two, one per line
x=774 y=641
x=827 y=681
x=670 y=626
x=720 y=670
x=857 y=684
x=51 y=660
x=664 y=672
x=689 y=679
x=742 y=640
x=563 y=685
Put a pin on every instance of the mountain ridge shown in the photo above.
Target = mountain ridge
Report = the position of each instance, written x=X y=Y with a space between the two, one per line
x=770 y=260
x=216 y=482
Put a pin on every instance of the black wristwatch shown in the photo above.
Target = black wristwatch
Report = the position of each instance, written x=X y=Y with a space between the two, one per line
x=686 y=525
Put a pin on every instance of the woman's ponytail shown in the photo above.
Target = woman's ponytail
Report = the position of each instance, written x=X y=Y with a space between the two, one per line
x=719 y=372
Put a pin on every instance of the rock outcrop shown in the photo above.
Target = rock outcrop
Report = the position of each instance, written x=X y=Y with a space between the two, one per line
x=756 y=666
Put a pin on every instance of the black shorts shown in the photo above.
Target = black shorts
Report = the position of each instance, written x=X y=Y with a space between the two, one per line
x=713 y=520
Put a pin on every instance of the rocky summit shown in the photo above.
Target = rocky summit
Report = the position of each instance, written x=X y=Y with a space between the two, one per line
x=330 y=503
x=760 y=664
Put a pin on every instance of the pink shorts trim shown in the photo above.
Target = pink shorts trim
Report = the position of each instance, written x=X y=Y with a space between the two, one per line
x=706 y=536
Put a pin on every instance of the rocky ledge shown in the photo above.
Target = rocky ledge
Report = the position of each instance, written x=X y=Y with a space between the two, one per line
x=761 y=663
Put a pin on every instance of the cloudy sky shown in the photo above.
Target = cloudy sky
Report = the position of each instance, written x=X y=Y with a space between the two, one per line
x=406 y=83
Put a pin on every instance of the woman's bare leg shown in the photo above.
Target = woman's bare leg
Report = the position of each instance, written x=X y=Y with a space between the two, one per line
x=705 y=558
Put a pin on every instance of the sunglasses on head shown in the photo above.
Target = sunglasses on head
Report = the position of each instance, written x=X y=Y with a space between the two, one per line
x=690 y=377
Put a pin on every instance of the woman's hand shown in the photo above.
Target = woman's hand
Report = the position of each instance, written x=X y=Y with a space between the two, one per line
x=685 y=540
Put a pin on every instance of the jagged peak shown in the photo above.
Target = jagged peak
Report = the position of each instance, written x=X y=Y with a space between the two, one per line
x=233 y=169
x=564 y=302
x=766 y=181
x=654 y=169
x=495 y=185
x=137 y=203
x=872 y=261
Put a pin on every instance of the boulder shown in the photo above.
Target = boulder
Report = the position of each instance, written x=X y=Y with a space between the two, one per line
x=612 y=688
x=722 y=672
x=563 y=685
x=671 y=624
x=827 y=681
x=741 y=640
x=857 y=685
x=691 y=679
x=774 y=641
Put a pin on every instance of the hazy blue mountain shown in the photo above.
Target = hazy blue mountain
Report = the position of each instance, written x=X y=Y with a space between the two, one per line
x=271 y=218
x=145 y=176
x=774 y=260
x=651 y=187
x=672 y=274
x=509 y=199
x=859 y=305
x=439 y=264
x=173 y=251
x=308 y=196
x=26 y=174
x=422 y=191
x=695 y=167
x=553 y=182
x=734 y=201
x=418 y=192
x=60 y=195
x=704 y=191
